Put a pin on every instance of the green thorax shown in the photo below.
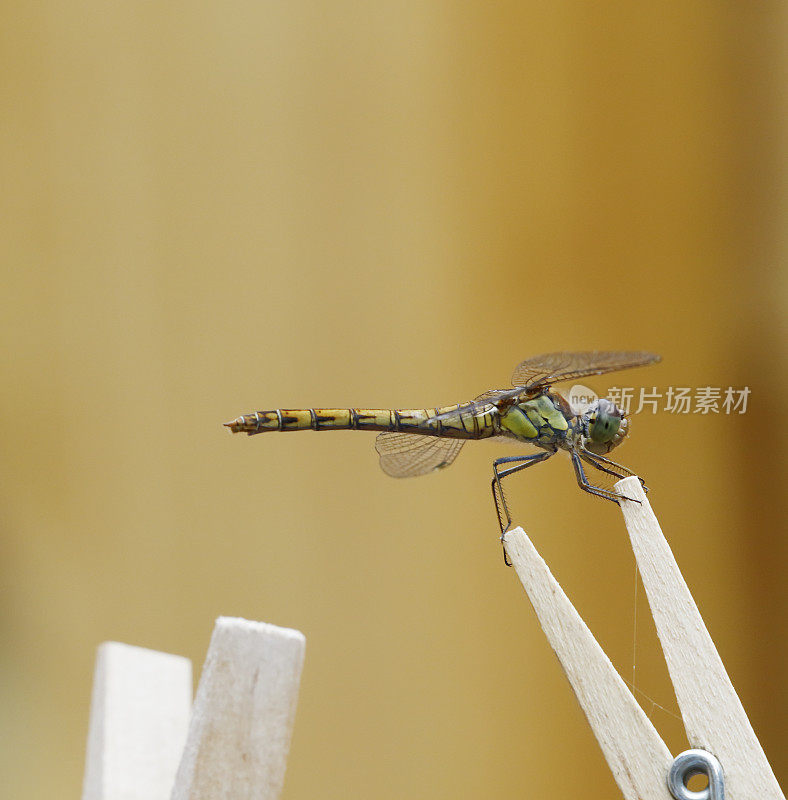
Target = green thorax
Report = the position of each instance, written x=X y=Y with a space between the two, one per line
x=542 y=420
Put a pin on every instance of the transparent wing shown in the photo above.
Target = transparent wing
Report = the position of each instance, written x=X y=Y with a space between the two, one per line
x=491 y=395
x=554 y=367
x=405 y=455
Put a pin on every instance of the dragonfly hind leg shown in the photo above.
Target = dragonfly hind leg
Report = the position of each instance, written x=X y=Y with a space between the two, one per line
x=497 y=486
x=587 y=486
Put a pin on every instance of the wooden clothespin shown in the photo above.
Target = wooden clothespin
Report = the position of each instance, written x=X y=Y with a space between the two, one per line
x=142 y=744
x=724 y=744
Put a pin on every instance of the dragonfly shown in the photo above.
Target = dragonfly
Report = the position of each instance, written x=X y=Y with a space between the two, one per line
x=418 y=441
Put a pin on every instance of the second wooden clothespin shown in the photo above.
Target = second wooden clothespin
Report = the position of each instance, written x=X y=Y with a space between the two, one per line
x=724 y=744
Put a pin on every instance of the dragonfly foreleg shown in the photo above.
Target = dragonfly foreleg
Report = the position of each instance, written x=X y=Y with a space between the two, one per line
x=497 y=487
x=586 y=486
x=611 y=467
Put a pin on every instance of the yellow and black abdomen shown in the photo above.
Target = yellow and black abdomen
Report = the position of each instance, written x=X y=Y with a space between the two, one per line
x=414 y=420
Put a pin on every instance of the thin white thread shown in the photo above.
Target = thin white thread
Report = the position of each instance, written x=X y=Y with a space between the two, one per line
x=632 y=686
x=654 y=703
x=635 y=631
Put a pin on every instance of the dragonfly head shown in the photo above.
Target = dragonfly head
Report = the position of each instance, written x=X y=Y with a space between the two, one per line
x=605 y=426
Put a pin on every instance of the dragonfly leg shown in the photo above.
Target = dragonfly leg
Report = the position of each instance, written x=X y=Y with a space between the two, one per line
x=497 y=486
x=586 y=486
x=617 y=470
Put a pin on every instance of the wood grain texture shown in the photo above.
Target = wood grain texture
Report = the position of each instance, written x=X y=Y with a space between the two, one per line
x=139 y=716
x=636 y=754
x=243 y=714
x=713 y=714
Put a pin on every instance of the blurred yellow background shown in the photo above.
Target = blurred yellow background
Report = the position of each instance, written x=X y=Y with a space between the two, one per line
x=210 y=209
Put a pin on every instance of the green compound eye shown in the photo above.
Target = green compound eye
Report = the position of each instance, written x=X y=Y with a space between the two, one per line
x=605 y=422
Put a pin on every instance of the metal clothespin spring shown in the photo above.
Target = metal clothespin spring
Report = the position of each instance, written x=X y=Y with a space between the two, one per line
x=696 y=762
